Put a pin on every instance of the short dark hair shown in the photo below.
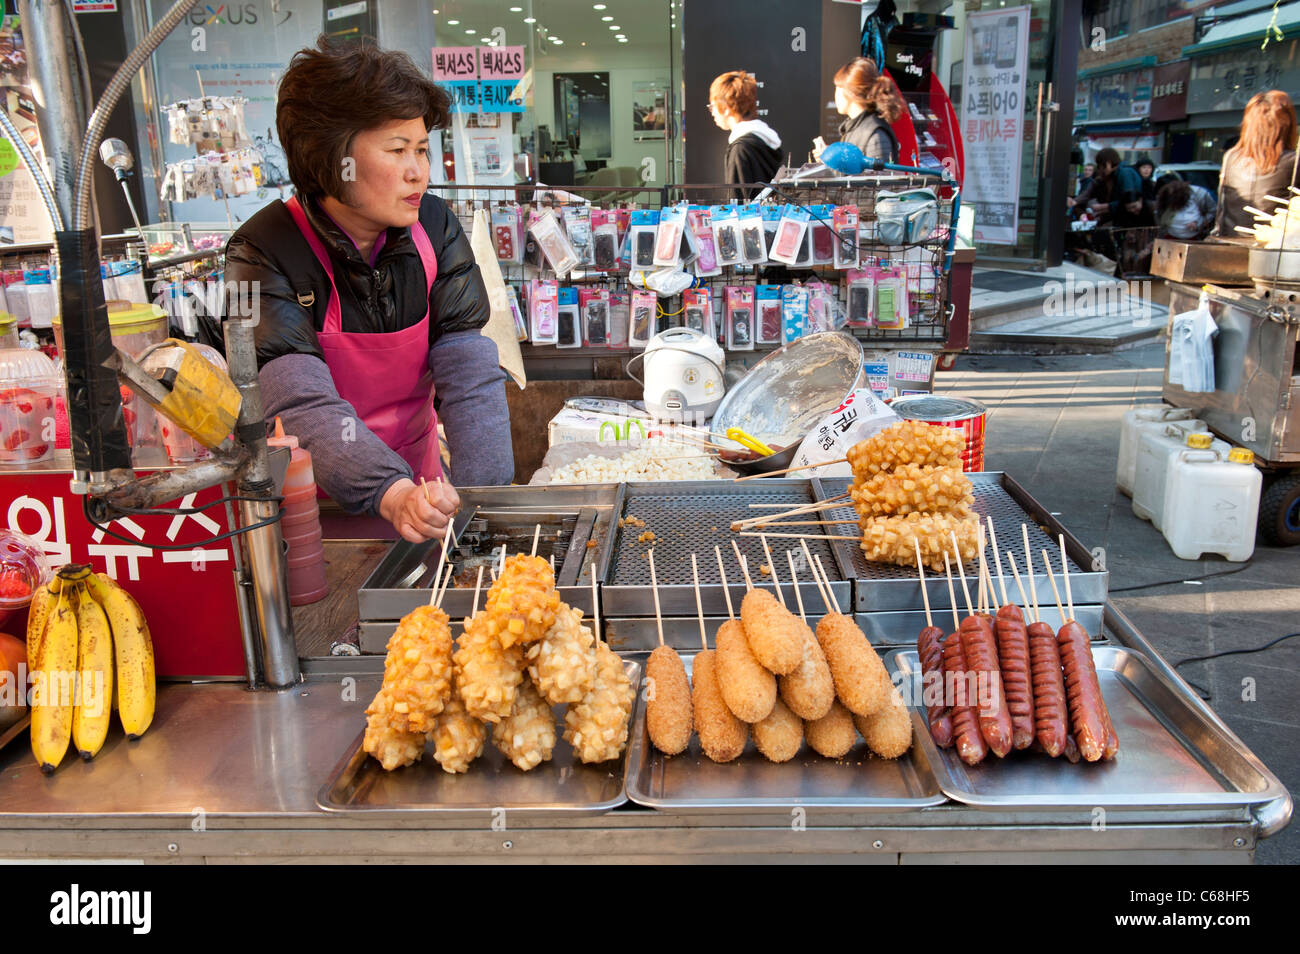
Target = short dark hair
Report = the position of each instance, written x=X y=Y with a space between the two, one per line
x=331 y=92
x=1143 y=161
x=1107 y=157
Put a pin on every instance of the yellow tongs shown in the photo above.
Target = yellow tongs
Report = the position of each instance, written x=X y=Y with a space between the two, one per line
x=757 y=446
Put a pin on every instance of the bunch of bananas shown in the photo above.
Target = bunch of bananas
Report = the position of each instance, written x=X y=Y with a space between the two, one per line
x=83 y=633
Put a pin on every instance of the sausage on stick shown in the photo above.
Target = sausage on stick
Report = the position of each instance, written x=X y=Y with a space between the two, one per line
x=929 y=648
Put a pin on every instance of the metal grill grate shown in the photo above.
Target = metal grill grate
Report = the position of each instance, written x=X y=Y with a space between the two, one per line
x=694 y=523
x=991 y=499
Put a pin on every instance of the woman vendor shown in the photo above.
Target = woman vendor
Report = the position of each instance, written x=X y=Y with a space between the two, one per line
x=370 y=300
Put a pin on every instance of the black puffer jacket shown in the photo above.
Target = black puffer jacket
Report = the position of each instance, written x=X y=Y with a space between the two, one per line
x=269 y=249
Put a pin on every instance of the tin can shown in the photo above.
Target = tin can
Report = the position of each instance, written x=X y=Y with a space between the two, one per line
x=966 y=415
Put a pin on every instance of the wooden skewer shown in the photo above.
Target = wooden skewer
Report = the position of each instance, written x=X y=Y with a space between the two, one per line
x=1065 y=572
x=786 y=470
x=536 y=535
x=595 y=604
x=807 y=555
x=979 y=570
x=437 y=572
x=920 y=569
x=654 y=588
x=442 y=594
x=830 y=504
x=828 y=598
x=699 y=606
x=1002 y=583
x=952 y=597
x=503 y=559
x=1015 y=571
x=771 y=567
x=841 y=498
x=1033 y=590
x=970 y=610
x=744 y=567
x=834 y=606
x=847 y=521
x=794 y=584
x=478 y=585
x=797 y=536
x=722 y=572
x=1047 y=562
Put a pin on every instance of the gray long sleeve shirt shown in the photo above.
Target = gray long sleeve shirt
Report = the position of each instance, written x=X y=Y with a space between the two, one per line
x=352 y=464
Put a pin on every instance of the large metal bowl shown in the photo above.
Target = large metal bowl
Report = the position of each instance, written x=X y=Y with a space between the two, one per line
x=785 y=395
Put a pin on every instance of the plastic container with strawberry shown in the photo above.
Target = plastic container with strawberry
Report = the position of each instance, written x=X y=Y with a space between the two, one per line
x=29 y=384
x=23 y=568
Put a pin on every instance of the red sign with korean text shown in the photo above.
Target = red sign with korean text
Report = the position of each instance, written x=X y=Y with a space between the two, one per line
x=188 y=596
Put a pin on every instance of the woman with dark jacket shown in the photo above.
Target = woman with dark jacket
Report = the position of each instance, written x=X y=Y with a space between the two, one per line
x=871 y=102
x=369 y=301
x=1262 y=163
x=752 y=144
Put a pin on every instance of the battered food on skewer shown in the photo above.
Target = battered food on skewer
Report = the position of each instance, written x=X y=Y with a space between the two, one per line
x=668 y=708
x=912 y=488
x=834 y=734
x=772 y=631
x=861 y=681
x=386 y=737
x=908 y=442
x=596 y=726
x=888 y=732
x=895 y=539
x=487 y=674
x=527 y=736
x=748 y=689
x=722 y=735
x=563 y=662
x=522 y=603
x=780 y=735
x=809 y=691
x=417 y=684
x=457 y=736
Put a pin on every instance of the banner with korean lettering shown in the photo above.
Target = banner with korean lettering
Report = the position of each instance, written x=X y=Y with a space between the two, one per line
x=993 y=119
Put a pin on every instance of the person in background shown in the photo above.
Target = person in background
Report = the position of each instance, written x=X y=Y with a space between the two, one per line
x=871 y=102
x=1183 y=210
x=1146 y=169
x=1262 y=163
x=751 y=144
x=1115 y=195
x=1085 y=180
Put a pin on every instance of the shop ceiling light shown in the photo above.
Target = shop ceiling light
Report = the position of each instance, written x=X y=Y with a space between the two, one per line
x=557 y=42
x=453 y=23
x=471 y=32
x=530 y=19
x=606 y=19
x=598 y=6
x=516 y=9
x=615 y=26
x=622 y=39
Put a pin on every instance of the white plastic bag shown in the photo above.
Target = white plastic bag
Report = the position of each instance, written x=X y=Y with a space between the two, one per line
x=860 y=416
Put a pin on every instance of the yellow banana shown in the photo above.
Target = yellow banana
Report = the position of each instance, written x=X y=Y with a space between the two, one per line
x=55 y=671
x=95 y=676
x=133 y=650
x=37 y=614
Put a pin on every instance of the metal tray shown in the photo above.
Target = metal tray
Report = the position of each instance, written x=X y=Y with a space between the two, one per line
x=692 y=517
x=561 y=786
x=1170 y=755
x=881 y=586
x=690 y=783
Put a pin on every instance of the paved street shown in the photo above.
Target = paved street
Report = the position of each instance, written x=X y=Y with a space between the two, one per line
x=1054 y=425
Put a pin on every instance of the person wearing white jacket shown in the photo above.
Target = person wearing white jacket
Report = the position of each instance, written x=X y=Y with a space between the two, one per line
x=752 y=145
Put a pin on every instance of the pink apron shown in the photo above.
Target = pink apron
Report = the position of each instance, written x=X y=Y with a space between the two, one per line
x=385 y=376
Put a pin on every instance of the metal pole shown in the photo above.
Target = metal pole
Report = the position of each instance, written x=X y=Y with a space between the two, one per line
x=266 y=556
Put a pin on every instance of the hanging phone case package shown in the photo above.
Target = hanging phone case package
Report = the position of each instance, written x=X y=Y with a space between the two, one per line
x=595 y=317
x=620 y=317
x=726 y=231
x=645 y=305
x=506 y=237
x=771 y=216
x=555 y=245
x=794 y=312
x=577 y=224
x=521 y=323
x=604 y=240
x=891 y=298
x=767 y=309
x=804 y=257
x=790 y=233
x=706 y=264
x=861 y=307
x=823 y=239
x=533 y=248
x=753 y=240
x=844 y=219
x=569 y=330
x=543 y=306
x=698 y=311
x=672 y=223
x=739 y=317
x=643 y=228
x=824 y=311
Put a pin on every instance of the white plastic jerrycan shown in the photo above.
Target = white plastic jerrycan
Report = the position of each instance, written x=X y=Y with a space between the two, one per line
x=1156 y=449
x=1141 y=419
x=1212 y=503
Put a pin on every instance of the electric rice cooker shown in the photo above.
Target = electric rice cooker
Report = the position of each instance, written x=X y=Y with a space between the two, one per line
x=683 y=375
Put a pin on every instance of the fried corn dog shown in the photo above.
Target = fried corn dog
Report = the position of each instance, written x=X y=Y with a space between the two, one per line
x=563 y=662
x=861 y=681
x=889 y=539
x=418 y=667
x=908 y=442
x=912 y=488
x=527 y=736
x=386 y=737
x=487 y=675
x=668 y=701
x=809 y=691
x=522 y=603
x=596 y=727
x=457 y=736
x=748 y=689
x=888 y=732
x=722 y=735
x=772 y=631
x=832 y=735
x=780 y=735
